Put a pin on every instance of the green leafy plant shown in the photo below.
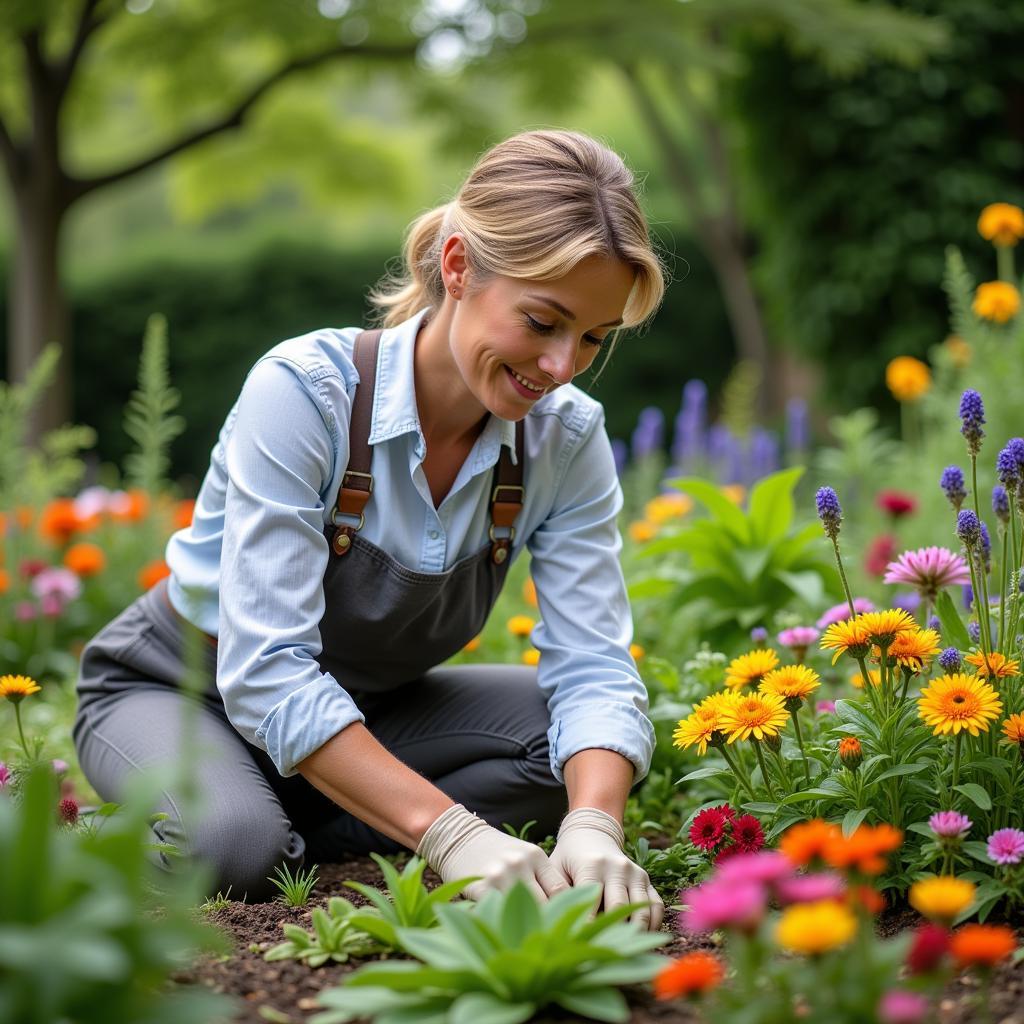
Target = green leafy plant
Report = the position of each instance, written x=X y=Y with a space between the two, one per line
x=502 y=960
x=336 y=936
x=294 y=889
x=218 y=902
x=407 y=904
x=89 y=930
x=743 y=566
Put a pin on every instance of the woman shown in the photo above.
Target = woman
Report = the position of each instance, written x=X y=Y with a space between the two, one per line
x=365 y=499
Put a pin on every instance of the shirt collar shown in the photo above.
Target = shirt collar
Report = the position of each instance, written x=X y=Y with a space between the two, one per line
x=394 y=397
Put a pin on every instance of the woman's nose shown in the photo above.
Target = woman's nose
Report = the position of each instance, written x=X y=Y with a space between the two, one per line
x=559 y=360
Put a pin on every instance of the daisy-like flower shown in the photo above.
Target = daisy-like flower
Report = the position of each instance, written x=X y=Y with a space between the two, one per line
x=883 y=627
x=874 y=678
x=815 y=928
x=791 y=682
x=723 y=904
x=708 y=828
x=747 y=834
x=928 y=570
x=1013 y=729
x=703 y=723
x=941 y=898
x=994 y=665
x=914 y=650
x=956 y=703
x=759 y=716
x=17 y=688
x=950 y=825
x=865 y=849
x=1006 y=846
x=848 y=637
x=810 y=888
x=982 y=945
x=748 y=669
x=692 y=974
x=798 y=639
x=1001 y=223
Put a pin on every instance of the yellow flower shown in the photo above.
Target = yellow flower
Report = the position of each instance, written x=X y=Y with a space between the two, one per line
x=531 y=657
x=704 y=721
x=667 y=506
x=912 y=650
x=959 y=351
x=815 y=928
x=1013 y=727
x=636 y=652
x=1001 y=223
x=734 y=492
x=942 y=897
x=521 y=625
x=883 y=627
x=995 y=664
x=847 y=637
x=530 y=592
x=953 y=703
x=907 y=378
x=760 y=715
x=748 y=669
x=17 y=688
x=874 y=675
x=642 y=531
x=997 y=301
x=795 y=681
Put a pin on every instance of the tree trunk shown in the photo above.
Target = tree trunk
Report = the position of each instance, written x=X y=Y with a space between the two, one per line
x=38 y=306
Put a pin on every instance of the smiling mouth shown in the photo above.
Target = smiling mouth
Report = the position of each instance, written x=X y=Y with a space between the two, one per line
x=529 y=385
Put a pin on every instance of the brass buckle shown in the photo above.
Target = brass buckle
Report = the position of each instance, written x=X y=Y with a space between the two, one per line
x=334 y=518
x=352 y=472
x=511 y=533
x=507 y=487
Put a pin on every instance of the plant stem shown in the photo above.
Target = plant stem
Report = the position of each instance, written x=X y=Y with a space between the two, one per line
x=986 y=650
x=1004 y=261
x=740 y=776
x=982 y=596
x=21 y=734
x=956 y=760
x=842 y=576
x=764 y=768
x=906 y=684
x=1002 y=593
x=795 y=714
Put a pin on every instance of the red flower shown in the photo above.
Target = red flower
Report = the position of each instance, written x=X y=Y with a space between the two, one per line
x=68 y=811
x=747 y=834
x=726 y=852
x=896 y=503
x=881 y=552
x=708 y=828
x=927 y=949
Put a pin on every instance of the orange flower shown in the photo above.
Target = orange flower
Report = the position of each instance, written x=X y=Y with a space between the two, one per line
x=23 y=516
x=867 y=898
x=152 y=573
x=1013 y=728
x=692 y=974
x=808 y=841
x=865 y=849
x=642 y=531
x=130 y=507
x=998 y=301
x=521 y=625
x=5 y=581
x=1001 y=223
x=85 y=559
x=982 y=945
x=473 y=645
x=907 y=378
x=851 y=753
x=530 y=592
x=183 y=513
x=531 y=657
x=995 y=664
x=636 y=652
x=59 y=521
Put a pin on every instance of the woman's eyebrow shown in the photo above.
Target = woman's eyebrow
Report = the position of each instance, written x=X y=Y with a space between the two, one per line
x=568 y=314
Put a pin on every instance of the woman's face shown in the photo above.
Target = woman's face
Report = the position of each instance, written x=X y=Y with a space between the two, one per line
x=516 y=340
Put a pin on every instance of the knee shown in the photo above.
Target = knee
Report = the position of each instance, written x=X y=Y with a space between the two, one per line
x=240 y=852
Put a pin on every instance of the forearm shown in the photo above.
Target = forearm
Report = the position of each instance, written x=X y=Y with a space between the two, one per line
x=361 y=776
x=598 y=778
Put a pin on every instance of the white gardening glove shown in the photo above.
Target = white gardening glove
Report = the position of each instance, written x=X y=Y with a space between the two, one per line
x=458 y=844
x=589 y=849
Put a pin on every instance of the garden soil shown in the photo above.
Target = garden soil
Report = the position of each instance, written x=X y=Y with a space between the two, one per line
x=285 y=991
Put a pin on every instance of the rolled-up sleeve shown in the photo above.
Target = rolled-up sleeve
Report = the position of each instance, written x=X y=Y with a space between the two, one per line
x=280 y=459
x=595 y=695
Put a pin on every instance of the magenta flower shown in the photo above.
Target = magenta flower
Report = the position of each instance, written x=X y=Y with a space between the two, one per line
x=928 y=570
x=838 y=612
x=898 y=1006
x=825 y=707
x=766 y=867
x=950 y=824
x=810 y=888
x=798 y=636
x=1006 y=846
x=726 y=903
x=5 y=775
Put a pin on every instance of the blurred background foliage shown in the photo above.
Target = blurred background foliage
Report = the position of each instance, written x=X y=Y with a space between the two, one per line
x=796 y=158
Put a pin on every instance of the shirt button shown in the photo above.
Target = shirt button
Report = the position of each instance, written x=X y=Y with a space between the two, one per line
x=433 y=535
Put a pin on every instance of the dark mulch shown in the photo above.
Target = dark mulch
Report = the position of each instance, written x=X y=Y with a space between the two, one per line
x=285 y=991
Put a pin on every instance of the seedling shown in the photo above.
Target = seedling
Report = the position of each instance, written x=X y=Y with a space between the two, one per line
x=294 y=889
x=335 y=936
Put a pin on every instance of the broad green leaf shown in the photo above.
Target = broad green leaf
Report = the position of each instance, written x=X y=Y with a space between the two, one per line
x=953 y=629
x=760 y=807
x=376 y=897
x=606 y=1004
x=978 y=795
x=808 y=585
x=771 y=506
x=640 y=968
x=484 y=1008
x=706 y=772
x=903 y=769
x=853 y=818
x=721 y=508
x=348 y=1003
x=520 y=915
x=432 y=946
x=651 y=587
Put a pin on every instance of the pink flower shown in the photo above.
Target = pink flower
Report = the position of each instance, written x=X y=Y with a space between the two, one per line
x=92 y=502
x=767 y=867
x=798 y=636
x=1006 y=846
x=950 y=824
x=25 y=611
x=928 y=570
x=810 y=888
x=59 y=767
x=898 y=1006
x=726 y=903
x=56 y=582
x=51 y=605
x=838 y=612
x=5 y=775
x=825 y=707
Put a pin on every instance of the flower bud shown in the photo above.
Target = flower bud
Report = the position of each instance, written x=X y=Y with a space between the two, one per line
x=851 y=753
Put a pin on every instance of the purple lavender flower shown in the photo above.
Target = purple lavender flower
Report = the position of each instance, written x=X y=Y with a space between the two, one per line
x=764 y=454
x=1008 y=469
x=759 y=635
x=950 y=660
x=974 y=631
x=690 y=424
x=1006 y=846
x=620 y=452
x=952 y=482
x=797 y=426
x=950 y=825
x=1001 y=504
x=829 y=511
x=986 y=548
x=934 y=622
x=968 y=596
x=972 y=415
x=649 y=432
x=968 y=528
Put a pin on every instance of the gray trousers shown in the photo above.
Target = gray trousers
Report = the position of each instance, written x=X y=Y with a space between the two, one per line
x=477 y=731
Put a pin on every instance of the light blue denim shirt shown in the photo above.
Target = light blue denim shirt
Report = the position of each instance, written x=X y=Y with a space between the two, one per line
x=250 y=568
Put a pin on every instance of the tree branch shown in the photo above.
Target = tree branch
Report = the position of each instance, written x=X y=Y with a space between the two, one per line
x=87 y=24
x=234 y=118
x=10 y=151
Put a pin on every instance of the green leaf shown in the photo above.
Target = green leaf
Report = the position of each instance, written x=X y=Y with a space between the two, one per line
x=953 y=628
x=853 y=818
x=806 y=795
x=607 y=1004
x=978 y=795
x=484 y=1008
x=520 y=915
x=808 y=585
x=771 y=506
x=727 y=514
x=903 y=769
x=652 y=587
x=640 y=968
x=706 y=772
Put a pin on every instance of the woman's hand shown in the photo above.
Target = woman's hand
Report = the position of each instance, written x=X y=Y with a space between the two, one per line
x=589 y=849
x=458 y=844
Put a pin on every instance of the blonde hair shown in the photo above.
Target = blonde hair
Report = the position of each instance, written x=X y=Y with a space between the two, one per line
x=532 y=208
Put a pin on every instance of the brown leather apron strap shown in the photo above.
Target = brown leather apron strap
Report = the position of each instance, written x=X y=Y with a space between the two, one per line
x=506 y=499
x=357 y=483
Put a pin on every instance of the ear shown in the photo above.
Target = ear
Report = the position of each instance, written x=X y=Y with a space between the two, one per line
x=454 y=267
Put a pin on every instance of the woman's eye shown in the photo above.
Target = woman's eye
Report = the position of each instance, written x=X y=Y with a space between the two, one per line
x=536 y=325
x=594 y=341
